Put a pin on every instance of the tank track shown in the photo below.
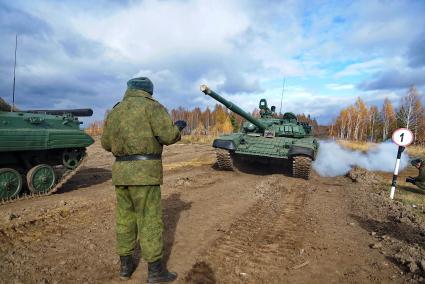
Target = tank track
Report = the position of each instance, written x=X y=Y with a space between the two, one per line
x=301 y=167
x=224 y=160
x=64 y=179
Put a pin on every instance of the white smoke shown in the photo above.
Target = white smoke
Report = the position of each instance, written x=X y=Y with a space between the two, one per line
x=335 y=160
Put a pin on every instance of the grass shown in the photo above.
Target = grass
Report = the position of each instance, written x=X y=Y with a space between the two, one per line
x=416 y=151
x=413 y=150
x=357 y=146
x=197 y=139
x=191 y=163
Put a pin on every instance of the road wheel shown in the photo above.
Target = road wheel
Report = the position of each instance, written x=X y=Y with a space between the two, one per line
x=224 y=160
x=41 y=179
x=301 y=167
x=10 y=183
x=71 y=158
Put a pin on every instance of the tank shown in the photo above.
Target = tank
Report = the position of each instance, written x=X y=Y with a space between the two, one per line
x=267 y=138
x=40 y=150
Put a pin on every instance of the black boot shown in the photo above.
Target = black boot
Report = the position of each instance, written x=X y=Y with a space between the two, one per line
x=158 y=273
x=127 y=267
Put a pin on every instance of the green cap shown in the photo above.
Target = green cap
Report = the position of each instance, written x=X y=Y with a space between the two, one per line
x=141 y=83
x=416 y=161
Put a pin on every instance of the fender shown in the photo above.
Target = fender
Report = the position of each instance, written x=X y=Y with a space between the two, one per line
x=224 y=144
x=302 y=151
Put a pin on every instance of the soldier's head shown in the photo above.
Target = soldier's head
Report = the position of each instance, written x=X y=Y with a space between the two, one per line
x=417 y=162
x=141 y=83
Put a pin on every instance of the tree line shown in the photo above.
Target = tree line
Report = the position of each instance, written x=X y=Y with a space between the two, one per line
x=214 y=122
x=218 y=121
x=359 y=122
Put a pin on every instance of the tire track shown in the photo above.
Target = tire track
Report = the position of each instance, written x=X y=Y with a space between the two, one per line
x=264 y=242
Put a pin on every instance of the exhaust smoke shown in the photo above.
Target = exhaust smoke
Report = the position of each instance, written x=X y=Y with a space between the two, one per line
x=334 y=160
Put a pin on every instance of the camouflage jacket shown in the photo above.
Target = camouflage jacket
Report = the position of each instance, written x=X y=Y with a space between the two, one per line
x=136 y=126
x=420 y=179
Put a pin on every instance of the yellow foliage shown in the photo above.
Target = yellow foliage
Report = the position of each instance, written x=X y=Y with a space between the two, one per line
x=227 y=126
x=95 y=128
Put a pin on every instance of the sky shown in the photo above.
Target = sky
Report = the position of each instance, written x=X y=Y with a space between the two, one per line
x=78 y=54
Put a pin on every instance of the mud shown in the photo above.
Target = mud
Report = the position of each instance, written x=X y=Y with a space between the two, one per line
x=249 y=226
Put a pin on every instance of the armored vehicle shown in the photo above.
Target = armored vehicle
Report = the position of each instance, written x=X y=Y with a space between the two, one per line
x=267 y=138
x=40 y=150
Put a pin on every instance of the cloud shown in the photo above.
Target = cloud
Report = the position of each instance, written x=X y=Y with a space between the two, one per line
x=13 y=20
x=416 y=52
x=74 y=54
x=360 y=68
x=394 y=79
x=338 y=87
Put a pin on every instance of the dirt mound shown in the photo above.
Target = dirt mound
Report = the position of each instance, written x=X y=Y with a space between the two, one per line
x=398 y=231
x=363 y=176
x=201 y=272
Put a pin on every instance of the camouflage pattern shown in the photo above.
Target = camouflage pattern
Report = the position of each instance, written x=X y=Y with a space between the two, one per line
x=139 y=214
x=420 y=179
x=136 y=126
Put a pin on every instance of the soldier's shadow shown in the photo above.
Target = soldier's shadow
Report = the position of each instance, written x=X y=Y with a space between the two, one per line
x=172 y=208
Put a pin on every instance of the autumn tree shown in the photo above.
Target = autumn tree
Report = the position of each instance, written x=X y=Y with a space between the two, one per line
x=388 y=118
x=411 y=111
x=360 y=123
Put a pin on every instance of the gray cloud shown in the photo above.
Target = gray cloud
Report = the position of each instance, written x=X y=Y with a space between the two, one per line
x=416 y=52
x=74 y=54
x=13 y=21
x=394 y=79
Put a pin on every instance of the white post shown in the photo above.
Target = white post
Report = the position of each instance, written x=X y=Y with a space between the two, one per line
x=396 y=168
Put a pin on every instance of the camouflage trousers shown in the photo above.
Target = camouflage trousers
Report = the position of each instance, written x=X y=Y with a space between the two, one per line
x=139 y=216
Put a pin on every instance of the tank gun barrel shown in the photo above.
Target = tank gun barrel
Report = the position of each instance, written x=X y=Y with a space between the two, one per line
x=83 y=112
x=232 y=107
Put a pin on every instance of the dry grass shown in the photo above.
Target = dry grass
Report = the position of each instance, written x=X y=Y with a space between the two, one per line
x=413 y=151
x=410 y=194
x=416 y=151
x=191 y=163
x=357 y=146
x=197 y=139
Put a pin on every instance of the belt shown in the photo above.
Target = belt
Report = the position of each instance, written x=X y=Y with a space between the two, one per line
x=138 y=157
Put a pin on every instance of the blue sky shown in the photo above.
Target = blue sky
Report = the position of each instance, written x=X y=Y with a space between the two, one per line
x=81 y=53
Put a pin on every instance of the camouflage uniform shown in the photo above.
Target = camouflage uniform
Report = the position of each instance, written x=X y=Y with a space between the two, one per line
x=420 y=179
x=139 y=125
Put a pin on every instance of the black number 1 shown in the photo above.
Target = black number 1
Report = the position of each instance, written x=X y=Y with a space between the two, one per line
x=402 y=136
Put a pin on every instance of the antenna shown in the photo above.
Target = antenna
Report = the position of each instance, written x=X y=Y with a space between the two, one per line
x=281 y=99
x=14 y=75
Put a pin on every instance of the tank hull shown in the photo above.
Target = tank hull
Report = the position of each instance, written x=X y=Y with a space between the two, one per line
x=260 y=146
x=32 y=145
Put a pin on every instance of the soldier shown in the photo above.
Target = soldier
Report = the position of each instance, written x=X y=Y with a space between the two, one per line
x=419 y=181
x=135 y=131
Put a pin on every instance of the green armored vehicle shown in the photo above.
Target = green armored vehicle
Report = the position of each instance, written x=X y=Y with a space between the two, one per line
x=41 y=149
x=267 y=138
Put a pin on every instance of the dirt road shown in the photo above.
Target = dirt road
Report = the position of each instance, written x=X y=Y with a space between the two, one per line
x=251 y=226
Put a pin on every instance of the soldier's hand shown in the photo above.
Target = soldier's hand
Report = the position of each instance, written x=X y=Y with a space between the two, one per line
x=411 y=180
x=181 y=124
